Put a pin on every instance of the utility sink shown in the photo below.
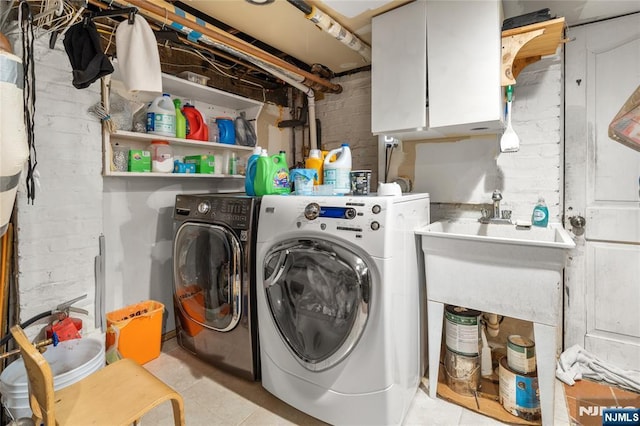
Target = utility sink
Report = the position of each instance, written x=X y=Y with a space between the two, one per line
x=500 y=269
x=553 y=236
x=480 y=258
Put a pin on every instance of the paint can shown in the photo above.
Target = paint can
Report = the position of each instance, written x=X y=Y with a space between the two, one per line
x=521 y=354
x=462 y=372
x=462 y=329
x=519 y=393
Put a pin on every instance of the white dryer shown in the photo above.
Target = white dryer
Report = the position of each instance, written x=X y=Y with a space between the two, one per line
x=339 y=291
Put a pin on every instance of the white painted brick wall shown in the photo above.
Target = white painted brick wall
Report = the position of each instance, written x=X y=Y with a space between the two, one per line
x=346 y=117
x=58 y=233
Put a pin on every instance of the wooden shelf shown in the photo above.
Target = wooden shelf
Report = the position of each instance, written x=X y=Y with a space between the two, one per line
x=148 y=137
x=525 y=45
x=174 y=175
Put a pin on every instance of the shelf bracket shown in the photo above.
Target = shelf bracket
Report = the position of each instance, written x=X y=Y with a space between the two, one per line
x=511 y=64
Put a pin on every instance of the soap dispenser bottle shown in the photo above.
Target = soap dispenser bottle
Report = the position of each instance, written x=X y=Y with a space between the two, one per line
x=540 y=216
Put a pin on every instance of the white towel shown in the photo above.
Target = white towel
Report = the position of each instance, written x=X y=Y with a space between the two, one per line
x=576 y=363
x=138 y=58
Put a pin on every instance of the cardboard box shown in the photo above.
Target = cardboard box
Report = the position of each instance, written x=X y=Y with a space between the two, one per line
x=625 y=126
x=204 y=163
x=179 y=167
x=139 y=160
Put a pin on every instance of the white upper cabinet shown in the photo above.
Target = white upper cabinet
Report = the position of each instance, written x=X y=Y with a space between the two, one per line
x=436 y=70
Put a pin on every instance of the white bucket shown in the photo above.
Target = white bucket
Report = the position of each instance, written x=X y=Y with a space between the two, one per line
x=70 y=361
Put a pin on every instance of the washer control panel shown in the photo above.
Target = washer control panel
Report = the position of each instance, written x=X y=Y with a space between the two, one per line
x=353 y=216
x=235 y=212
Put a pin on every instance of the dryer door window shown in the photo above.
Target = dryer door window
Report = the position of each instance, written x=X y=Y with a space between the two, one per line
x=207 y=272
x=318 y=294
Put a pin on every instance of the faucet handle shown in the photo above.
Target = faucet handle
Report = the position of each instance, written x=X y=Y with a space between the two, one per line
x=484 y=213
x=497 y=195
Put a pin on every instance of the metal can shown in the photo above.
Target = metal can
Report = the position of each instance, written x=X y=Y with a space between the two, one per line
x=519 y=393
x=462 y=372
x=462 y=328
x=521 y=354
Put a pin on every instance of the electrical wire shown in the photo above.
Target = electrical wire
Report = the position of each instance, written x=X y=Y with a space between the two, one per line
x=25 y=19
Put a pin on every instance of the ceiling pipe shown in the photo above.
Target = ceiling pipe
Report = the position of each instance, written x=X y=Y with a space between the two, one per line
x=331 y=26
x=198 y=30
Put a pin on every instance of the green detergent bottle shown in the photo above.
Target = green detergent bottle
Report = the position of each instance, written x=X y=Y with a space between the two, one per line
x=181 y=121
x=272 y=174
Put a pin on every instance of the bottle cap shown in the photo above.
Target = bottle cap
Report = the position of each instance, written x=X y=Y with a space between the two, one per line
x=315 y=153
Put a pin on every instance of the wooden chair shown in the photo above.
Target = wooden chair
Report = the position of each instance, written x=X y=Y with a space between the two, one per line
x=118 y=394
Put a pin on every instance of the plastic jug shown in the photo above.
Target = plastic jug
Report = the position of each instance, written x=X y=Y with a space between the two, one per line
x=337 y=172
x=161 y=157
x=272 y=175
x=315 y=161
x=251 y=171
x=181 y=121
x=161 y=116
x=227 y=130
x=196 y=127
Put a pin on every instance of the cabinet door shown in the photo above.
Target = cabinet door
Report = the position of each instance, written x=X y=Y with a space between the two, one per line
x=399 y=69
x=464 y=54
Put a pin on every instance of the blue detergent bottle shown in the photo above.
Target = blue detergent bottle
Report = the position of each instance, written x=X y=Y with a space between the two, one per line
x=540 y=216
x=251 y=171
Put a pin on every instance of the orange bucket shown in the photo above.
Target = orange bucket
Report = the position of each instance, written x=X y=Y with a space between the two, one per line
x=139 y=329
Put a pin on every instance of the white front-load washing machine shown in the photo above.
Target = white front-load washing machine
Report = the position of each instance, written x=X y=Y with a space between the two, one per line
x=339 y=290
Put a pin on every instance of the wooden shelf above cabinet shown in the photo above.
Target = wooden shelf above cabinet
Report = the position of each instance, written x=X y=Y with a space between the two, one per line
x=525 y=45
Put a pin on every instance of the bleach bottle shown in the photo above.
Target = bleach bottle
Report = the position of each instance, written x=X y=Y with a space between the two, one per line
x=161 y=116
x=251 y=170
x=337 y=172
x=272 y=174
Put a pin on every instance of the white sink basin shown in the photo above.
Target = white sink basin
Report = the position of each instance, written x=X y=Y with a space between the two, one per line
x=553 y=236
x=467 y=261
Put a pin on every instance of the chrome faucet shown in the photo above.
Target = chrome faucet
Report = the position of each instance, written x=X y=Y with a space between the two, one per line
x=498 y=216
x=496 y=197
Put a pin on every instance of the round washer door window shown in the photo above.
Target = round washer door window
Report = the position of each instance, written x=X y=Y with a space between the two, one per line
x=318 y=294
x=207 y=273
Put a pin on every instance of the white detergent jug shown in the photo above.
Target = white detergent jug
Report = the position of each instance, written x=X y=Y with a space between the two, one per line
x=161 y=116
x=337 y=172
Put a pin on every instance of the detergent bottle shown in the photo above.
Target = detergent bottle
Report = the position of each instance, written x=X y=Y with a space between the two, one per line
x=337 y=172
x=315 y=162
x=272 y=174
x=181 y=121
x=196 y=127
x=161 y=116
x=540 y=216
x=251 y=171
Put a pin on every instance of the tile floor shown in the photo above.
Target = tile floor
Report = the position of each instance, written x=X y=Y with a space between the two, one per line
x=214 y=397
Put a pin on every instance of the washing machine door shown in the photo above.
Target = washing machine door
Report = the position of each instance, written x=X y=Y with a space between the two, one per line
x=318 y=294
x=207 y=275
